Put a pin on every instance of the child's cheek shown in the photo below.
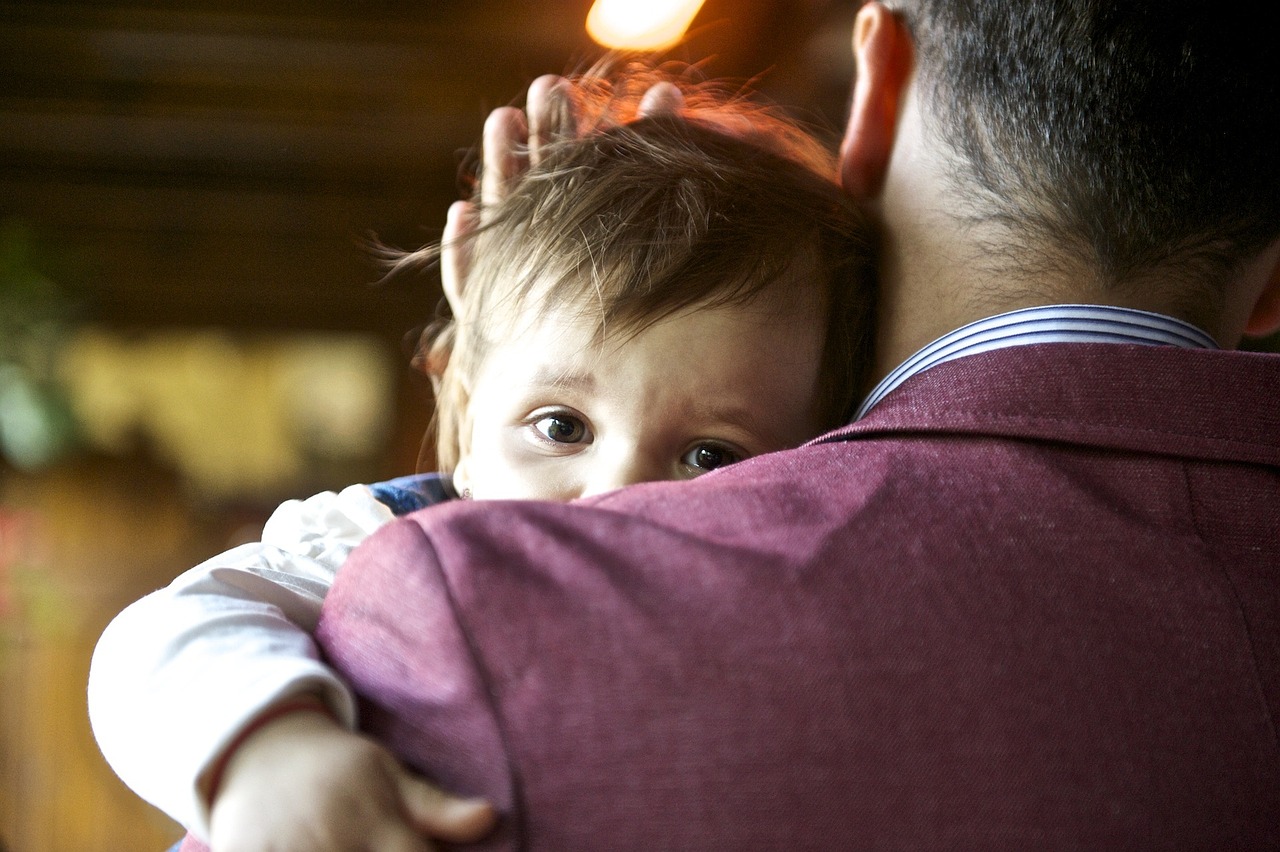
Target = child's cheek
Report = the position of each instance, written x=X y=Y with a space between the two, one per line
x=512 y=465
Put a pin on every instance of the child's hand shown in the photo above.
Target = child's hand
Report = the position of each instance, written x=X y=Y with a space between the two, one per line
x=302 y=782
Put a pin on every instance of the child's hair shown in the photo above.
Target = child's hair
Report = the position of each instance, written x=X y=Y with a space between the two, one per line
x=631 y=219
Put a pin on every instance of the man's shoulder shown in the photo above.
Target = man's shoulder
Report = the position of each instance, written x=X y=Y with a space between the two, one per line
x=1201 y=404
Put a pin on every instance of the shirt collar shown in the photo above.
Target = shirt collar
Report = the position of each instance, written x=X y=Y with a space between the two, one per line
x=1045 y=324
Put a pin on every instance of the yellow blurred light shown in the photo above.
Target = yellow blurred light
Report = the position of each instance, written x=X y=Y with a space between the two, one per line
x=640 y=24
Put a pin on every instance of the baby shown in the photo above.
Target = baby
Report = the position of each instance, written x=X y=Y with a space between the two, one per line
x=661 y=294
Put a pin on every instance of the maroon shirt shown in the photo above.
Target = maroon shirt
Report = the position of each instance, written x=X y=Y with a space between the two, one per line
x=1031 y=601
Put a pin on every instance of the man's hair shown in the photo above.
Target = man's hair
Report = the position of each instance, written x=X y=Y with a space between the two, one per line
x=1135 y=136
x=627 y=220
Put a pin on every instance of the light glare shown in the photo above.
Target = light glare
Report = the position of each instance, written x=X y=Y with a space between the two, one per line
x=640 y=24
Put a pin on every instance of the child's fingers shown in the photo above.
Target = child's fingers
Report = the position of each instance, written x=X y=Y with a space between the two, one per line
x=441 y=816
x=455 y=249
x=503 y=152
x=401 y=839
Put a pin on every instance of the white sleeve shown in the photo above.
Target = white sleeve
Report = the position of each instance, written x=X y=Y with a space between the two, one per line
x=177 y=675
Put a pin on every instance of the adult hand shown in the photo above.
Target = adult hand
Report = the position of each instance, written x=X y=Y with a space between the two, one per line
x=513 y=140
x=303 y=783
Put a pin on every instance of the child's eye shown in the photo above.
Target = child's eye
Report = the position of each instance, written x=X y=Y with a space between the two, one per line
x=705 y=457
x=561 y=428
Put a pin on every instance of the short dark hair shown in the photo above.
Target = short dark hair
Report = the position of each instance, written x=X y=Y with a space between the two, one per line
x=1137 y=136
x=632 y=219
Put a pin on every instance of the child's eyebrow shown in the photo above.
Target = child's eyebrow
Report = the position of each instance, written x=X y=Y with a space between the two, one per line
x=562 y=380
x=755 y=423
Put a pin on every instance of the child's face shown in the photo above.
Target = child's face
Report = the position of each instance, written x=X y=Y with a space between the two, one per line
x=557 y=414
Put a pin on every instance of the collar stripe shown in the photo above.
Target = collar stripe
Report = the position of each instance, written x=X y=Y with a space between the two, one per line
x=1045 y=324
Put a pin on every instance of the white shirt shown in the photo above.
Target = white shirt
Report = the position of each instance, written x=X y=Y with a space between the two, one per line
x=177 y=675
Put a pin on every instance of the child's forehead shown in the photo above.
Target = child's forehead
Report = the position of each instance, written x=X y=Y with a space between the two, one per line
x=568 y=305
x=723 y=363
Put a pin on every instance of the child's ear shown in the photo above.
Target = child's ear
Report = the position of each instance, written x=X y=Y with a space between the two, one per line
x=462 y=477
x=453 y=431
x=455 y=252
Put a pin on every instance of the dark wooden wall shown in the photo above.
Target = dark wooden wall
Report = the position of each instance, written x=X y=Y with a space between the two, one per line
x=218 y=161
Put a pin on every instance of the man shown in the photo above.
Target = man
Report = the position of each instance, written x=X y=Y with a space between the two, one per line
x=1029 y=599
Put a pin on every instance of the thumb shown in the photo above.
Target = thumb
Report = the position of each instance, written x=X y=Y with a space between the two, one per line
x=439 y=815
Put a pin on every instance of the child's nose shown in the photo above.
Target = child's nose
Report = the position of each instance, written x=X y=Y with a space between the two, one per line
x=626 y=468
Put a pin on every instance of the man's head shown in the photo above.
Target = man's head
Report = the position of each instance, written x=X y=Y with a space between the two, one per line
x=1105 y=148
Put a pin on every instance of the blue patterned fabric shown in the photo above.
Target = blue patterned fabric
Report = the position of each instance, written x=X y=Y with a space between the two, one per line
x=407 y=494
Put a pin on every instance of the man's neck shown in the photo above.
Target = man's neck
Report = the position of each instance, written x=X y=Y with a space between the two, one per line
x=931 y=273
x=932 y=279
x=939 y=273
x=921 y=302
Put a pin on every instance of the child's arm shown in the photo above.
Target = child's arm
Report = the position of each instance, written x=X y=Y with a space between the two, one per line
x=178 y=675
x=353 y=795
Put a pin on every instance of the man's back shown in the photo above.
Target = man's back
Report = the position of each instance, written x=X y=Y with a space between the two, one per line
x=1031 y=600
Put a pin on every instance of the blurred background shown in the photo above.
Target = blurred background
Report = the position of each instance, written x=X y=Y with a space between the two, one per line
x=188 y=333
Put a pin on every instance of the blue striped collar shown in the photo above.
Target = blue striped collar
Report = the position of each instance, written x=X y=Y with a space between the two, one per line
x=1045 y=324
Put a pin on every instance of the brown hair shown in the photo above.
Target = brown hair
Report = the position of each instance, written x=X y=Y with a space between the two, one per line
x=1133 y=141
x=630 y=220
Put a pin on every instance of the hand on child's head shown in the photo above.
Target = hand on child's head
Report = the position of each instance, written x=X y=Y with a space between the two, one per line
x=661 y=99
x=515 y=139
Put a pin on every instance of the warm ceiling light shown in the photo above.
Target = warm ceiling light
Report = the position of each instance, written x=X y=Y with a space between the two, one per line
x=640 y=24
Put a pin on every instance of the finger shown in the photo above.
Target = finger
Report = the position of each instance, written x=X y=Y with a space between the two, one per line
x=503 y=153
x=552 y=113
x=661 y=99
x=440 y=815
x=403 y=840
x=455 y=250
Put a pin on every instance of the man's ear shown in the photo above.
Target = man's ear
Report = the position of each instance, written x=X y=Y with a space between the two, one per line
x=883 y=54
x=1264 y=319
